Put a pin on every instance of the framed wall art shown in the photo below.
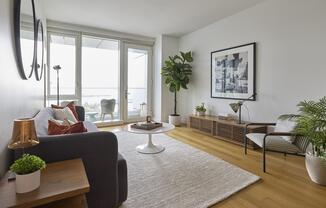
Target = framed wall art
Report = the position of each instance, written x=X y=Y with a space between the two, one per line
x=233 y=73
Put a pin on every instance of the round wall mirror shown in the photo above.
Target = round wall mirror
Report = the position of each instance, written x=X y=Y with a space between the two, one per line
x=39 y=51
x=25 y=36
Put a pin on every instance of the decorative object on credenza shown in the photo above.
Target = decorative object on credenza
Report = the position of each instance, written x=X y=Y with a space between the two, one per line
x=311 y=124
x=57 y=68
x=200 y=109
x=28 y=173
x=26 y=168
x=25 y=38
x=224 y=116
x=176 y=74
x=237 y=107
x=233 y=72
x=39 y=68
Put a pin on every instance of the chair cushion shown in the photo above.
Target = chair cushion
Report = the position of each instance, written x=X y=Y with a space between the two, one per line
x=275 y=143
x=285 y=126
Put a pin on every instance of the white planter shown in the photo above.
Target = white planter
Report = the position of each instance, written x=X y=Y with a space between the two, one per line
x=200 y=113
x=316 y=168
x=28 y=182
x=175 y=120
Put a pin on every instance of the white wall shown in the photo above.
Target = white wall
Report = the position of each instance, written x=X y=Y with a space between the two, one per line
x=170 y=47
x=157 y=85
x=163 y=102
x=19 y=98
x=291 y=51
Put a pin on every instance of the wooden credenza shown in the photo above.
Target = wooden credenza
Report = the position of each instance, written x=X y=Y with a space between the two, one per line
x=227 y=130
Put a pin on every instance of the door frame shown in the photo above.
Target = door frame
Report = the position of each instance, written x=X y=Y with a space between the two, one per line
x=124 y=80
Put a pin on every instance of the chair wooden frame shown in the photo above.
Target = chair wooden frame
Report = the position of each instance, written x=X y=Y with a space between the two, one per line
x=264 y=141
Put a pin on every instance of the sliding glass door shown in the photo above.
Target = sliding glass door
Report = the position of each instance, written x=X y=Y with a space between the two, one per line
x=110 y=78
x=138 y=81
x=100 y=79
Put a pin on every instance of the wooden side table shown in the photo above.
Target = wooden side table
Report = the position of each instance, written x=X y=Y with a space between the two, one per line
x=63 y=184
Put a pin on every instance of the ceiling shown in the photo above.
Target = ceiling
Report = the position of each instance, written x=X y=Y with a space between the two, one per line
x=145 y=17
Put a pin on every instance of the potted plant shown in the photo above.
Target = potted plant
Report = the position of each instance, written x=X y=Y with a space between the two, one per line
x=200 y=109
x=177 y=72
x=28 y=172
x=311 y=123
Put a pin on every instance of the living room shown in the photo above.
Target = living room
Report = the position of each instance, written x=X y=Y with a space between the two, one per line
x=162 y=103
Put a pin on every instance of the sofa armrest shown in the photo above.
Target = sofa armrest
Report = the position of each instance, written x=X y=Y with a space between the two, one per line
x=99 y=152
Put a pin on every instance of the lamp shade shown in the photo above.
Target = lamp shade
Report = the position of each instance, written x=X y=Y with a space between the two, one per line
x=235 y=106
x=23 y=134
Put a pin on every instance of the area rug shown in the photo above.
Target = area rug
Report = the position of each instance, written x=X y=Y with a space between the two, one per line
x=179 y=177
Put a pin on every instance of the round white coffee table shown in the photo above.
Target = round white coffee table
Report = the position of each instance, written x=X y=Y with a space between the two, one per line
x=150 y=148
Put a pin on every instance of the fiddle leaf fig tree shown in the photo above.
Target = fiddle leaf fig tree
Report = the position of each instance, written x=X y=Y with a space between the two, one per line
x=176 y=74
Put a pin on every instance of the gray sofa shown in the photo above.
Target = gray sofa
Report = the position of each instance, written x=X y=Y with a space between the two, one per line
x=106 y=169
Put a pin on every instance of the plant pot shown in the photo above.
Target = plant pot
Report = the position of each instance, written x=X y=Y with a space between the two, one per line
x=175 y=120
x=28 y=182
x=200 y=113
x=316 y=168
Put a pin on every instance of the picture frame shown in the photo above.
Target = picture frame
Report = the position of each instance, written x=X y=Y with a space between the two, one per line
x=233 y=73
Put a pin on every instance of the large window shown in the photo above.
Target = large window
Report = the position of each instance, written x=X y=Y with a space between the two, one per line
x=109 y=77
x=100 y=78
x=63 y=53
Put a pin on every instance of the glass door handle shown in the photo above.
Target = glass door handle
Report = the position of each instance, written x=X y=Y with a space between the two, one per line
x=126 y=94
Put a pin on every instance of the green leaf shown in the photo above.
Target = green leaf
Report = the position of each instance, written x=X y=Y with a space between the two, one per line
x=27 y=164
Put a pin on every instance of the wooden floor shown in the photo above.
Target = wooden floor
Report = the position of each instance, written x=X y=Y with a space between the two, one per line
x=286 y=183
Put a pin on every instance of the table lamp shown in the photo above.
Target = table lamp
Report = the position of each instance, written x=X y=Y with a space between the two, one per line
x=237 y=107
x=23 y=134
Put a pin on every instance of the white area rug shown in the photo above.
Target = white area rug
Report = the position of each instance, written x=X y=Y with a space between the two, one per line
x=181 y=176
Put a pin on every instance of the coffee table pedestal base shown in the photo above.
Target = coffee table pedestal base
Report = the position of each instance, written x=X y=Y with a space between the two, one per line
x=150 y=148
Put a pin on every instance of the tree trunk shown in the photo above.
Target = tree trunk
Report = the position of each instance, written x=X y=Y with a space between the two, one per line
x=175 y=103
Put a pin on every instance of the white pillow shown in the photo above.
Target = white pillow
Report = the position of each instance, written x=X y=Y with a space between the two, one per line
x=63 y=123
x=41 y=121
x=285 y=126
x=64 y=114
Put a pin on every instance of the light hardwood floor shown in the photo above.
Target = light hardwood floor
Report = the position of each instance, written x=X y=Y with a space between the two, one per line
x=286 y=183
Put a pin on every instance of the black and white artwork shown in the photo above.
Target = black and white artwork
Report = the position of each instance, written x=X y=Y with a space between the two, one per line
x=233 y=73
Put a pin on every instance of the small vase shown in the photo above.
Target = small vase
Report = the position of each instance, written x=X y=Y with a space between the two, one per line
x=200 y=113
x=28 y=182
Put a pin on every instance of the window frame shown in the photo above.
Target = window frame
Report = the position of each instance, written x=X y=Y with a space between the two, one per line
x=77 y=36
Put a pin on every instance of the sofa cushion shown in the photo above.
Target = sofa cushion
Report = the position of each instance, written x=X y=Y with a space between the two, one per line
x=91 y=127
x=45 y=114
x=41 y=121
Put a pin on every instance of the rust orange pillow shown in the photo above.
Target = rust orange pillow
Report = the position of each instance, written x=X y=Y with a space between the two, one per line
x=56 y=129
x=71 y=106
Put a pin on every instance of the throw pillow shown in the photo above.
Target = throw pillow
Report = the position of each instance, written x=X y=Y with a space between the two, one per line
x=285 y=126
x=65 y=113
x=70 y=105
x=56 y=129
